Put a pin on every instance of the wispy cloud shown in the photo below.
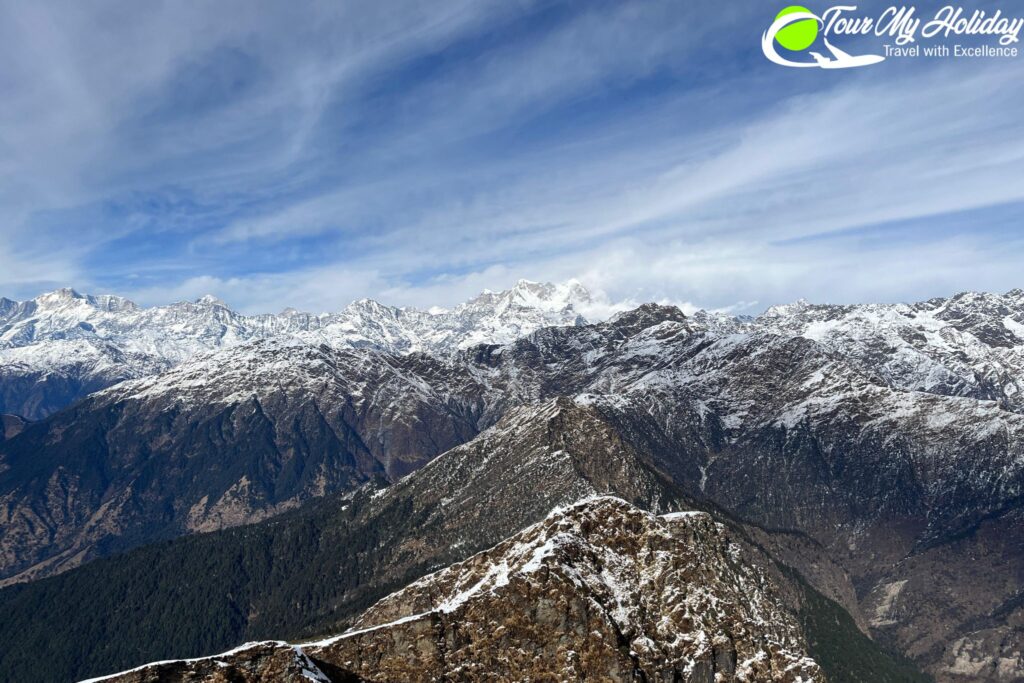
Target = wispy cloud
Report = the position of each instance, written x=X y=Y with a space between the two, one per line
x=419 y=152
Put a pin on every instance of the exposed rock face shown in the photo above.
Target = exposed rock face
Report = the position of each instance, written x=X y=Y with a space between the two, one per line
x=601 y=590
x=266 y=662
x=11 y=426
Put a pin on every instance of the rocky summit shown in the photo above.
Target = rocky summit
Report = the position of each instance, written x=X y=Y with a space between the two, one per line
x=599 y=590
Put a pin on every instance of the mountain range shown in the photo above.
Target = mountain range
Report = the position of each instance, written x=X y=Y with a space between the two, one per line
x=63 y=345
x=867 y=459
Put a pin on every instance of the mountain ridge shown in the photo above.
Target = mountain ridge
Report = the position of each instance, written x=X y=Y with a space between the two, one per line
x=61 y=346
x=645 y=597
x=334 y=557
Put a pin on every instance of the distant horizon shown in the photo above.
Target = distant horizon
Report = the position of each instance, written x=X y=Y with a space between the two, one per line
x=603 y=303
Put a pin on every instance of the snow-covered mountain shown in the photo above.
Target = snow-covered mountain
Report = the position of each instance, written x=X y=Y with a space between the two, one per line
x=971 y=344
x=60 y=346
x=794 y=420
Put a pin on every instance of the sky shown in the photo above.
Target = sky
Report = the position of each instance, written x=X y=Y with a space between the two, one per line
x=280 y=154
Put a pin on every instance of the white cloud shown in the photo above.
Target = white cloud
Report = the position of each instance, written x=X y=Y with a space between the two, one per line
x=842 y=158
x=734 y=276
x=698 y=192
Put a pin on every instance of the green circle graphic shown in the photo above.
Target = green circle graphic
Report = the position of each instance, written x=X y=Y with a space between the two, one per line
x=799 y=35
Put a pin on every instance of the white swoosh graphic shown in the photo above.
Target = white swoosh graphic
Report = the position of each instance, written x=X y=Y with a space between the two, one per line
x=842 y=60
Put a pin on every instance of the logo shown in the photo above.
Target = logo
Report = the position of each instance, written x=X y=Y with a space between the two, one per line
x=796 y=29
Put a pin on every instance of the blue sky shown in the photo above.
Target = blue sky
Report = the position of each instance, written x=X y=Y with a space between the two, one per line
x=306 y=154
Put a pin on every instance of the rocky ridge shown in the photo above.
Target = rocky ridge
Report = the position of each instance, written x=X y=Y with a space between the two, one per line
x=600 y=589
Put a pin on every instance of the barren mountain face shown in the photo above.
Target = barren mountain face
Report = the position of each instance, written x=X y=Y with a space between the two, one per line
x=885 y=436
x=11 y=426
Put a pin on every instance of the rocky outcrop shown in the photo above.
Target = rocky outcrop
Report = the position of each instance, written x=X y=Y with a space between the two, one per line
x=599 y=590
x=11 y=426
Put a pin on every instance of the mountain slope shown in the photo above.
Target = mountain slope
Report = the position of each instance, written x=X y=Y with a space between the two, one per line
x=971 y=344
x=600 y=589
x=311 y=571
x=237 y=435
x=219 y=441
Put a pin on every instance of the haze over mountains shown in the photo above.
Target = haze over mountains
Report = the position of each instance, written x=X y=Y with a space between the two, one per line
x=874 y=450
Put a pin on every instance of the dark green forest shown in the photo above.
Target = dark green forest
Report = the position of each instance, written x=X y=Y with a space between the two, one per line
x=846 y=654
x=300 y=575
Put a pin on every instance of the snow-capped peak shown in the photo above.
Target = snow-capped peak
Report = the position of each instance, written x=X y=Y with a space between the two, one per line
x=787 y=310
x=527 y=294
x=66 y=299
x=59 y=295
x=210 y=300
